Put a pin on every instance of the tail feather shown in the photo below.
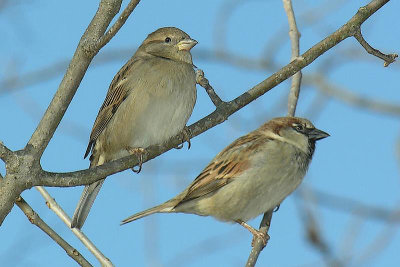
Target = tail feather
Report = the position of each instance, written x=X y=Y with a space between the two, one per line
x=166 y=207
x=85 y=204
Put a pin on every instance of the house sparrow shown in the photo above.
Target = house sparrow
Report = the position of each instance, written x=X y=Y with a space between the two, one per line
x=149 y=101
x=252 y=175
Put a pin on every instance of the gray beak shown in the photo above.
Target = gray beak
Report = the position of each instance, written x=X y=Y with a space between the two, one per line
x=316 y=134
x=187 y=44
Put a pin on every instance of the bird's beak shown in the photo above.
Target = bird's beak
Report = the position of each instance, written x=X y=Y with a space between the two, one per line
x=186 y=44
x=316 y=134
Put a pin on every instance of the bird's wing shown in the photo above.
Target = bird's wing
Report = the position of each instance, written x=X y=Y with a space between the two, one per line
x=228 y=164
x=117 y=93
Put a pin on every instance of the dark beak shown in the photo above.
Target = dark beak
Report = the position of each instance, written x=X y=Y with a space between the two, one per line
x=316 y=134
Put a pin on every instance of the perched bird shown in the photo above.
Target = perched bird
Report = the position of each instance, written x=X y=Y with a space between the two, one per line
x=252 y=175
x=149 y=101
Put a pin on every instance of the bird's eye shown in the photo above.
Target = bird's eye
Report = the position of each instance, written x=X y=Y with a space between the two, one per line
x=167 y=40
x=298 y=127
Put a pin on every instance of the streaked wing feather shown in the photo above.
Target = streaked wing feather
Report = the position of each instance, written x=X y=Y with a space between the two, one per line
x=116 y=94
x=228 y=164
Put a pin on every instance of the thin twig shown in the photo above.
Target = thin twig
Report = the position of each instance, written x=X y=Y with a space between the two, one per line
x=34 y=218
x=346 y=250
x=211 y=245
x=294 y=36
x=52 y=204
x=259 y=243
x=355 y=207
x=311 y=226
x=203 y=82
x=389 y=58
x=326 y=87
x=118 y=24
x=382 y=240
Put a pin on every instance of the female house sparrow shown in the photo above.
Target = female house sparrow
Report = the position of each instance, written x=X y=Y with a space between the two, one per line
x=251 y=176
x=149 y=101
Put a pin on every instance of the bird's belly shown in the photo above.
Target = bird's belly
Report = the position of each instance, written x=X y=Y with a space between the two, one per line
x=157 y=108
x=161 y=122
x=149 y=120
x=244 y=199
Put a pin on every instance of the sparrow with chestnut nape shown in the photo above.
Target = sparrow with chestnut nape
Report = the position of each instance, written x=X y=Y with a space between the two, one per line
x=149 y=101
x=252 y=175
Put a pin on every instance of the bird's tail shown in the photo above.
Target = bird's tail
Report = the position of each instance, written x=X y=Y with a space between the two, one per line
x=85 y=204
x=163 y=208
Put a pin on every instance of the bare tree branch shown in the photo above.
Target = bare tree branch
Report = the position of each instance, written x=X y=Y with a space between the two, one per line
x=326 y=87
x=259 y=245
x=312 y=227
x=203 y=82
x=5 y=153
x=34 y=218
x=390 y=58
x=52 y=204
x=357 y=208
x=294 y=40
x=88 y=47
x=381 y=240
x=118 y=24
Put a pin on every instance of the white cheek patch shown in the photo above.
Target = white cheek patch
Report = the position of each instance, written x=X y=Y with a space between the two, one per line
x=285 y=140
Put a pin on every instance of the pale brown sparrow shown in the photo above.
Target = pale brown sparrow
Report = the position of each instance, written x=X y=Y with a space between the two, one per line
x=252 y=175
x=149 y=101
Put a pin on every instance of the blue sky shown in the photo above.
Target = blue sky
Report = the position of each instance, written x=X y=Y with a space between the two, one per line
x=359 y=161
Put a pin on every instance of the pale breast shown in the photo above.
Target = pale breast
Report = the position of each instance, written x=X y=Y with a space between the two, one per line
x=270 y=180
x=158 y=108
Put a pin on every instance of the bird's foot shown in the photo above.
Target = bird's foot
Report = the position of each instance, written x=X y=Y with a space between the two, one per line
x=186 y=135
x=256 y=233
x=138 y=152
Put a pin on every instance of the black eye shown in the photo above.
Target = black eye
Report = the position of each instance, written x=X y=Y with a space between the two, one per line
x=298 y=127
x=167 y=40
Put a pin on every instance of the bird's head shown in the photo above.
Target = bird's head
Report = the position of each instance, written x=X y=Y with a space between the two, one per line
x=169 y=42
x=299 y=132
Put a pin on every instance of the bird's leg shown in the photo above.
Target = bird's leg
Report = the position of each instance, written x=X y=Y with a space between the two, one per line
x=138 y=152
x=256 y=233
x=186 y=134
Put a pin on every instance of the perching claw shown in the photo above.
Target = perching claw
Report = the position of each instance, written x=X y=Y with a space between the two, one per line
x=256 y=233
x=139 y=152
x=277 y=208
x=186 y=134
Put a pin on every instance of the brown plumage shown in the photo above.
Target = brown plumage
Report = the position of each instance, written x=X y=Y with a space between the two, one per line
x=149 y=101
x=250 y=176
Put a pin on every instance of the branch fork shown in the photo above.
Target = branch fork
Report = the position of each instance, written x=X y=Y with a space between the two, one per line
x=387 y=58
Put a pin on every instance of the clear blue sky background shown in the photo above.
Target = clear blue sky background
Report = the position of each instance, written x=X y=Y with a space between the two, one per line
x=358 y=161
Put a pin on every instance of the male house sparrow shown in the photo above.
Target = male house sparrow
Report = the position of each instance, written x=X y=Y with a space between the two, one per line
x=149 y=101
x=251 y=176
